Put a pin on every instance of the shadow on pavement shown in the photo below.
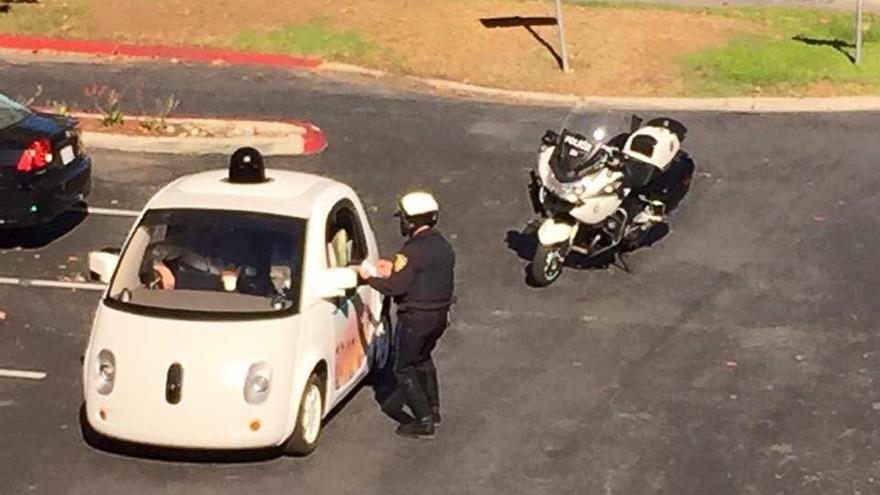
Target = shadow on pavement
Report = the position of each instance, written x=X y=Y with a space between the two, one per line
x=5 y=4
x=42 y=235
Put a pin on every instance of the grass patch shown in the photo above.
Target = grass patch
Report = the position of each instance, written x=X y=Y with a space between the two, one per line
x=792 y=49
x=795 y=49
x=44 y=18
x=316 y=38
x=605 y=4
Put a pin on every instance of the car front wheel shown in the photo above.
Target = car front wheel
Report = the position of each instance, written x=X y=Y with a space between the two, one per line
x=305 y=434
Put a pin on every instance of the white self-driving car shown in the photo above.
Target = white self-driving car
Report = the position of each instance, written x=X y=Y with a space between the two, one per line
x=232 y=319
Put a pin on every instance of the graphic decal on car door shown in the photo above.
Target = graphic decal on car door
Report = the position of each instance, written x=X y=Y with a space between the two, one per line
x=353 y=319
x=351 y=347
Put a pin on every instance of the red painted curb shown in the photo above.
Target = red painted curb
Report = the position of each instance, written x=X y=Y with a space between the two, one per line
x=314 y=139
x=181 y=53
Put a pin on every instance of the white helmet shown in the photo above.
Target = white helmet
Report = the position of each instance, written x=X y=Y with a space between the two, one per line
x=417 y=209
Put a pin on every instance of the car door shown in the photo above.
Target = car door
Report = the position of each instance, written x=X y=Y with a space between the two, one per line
x=356 y=314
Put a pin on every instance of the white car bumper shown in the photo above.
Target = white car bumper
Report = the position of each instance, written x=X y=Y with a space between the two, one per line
x=172 y=426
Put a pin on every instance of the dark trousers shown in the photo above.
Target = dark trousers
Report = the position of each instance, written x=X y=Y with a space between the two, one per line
x=416 y=336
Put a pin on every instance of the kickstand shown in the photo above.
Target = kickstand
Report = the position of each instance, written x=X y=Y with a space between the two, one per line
x=620 y=261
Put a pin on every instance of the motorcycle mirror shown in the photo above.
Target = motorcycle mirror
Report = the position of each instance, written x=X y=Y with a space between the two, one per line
x=599 y=134
x=635 y=123
x=549 y=138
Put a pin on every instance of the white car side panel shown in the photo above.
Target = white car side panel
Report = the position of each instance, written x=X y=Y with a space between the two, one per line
x=312 y=347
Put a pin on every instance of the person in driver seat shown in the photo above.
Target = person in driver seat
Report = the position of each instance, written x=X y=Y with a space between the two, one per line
x=184 y=261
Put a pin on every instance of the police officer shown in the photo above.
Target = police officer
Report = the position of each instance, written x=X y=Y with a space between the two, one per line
x=421 y=280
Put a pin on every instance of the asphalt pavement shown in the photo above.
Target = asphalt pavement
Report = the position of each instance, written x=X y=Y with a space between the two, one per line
x=740 y=357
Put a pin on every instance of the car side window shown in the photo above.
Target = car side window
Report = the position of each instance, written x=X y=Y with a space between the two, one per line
x=345 y=241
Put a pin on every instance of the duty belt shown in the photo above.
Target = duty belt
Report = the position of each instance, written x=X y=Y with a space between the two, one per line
x=425 y=305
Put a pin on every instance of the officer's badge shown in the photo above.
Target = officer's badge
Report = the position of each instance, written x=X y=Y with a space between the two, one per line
x=399 y=262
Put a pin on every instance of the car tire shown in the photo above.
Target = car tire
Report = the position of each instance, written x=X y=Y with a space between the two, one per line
x=305 y=434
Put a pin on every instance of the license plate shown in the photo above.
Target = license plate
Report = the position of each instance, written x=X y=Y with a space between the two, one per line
x=67 y=154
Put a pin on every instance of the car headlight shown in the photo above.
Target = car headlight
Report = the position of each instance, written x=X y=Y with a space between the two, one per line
x=258 y=383
x=106 y=372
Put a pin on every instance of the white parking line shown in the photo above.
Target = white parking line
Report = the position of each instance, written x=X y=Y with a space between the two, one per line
x=53 y=284
x=114 y=212
x=27 y=375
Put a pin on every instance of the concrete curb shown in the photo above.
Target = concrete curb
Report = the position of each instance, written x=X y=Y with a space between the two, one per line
x=744 y=104
x=290 y=138
x=741 y=104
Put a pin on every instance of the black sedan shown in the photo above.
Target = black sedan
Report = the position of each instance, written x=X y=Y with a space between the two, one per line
x=43 y=168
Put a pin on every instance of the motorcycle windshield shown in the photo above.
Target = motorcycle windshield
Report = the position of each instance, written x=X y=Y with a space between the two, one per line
x=575 y=156
x=581 y=134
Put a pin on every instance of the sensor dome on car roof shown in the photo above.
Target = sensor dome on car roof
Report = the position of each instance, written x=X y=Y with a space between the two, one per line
x=246 y=167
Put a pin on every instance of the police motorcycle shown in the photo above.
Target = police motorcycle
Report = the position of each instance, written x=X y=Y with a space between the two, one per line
x=598 y=195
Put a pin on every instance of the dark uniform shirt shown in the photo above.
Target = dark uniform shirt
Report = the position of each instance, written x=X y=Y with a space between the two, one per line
x=423 y=276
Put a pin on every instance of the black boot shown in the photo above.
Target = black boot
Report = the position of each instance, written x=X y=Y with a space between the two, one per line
x=428 y=378
x=423 y=428
x=410 y=385
x=393 y=407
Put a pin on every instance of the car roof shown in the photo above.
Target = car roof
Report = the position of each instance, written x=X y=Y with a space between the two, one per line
x=283 y=193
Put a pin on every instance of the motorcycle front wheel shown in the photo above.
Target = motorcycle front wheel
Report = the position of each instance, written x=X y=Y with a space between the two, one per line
x=547 y=265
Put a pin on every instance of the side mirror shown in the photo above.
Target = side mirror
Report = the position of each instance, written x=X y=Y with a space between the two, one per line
x=102 y=264
x=333 y=282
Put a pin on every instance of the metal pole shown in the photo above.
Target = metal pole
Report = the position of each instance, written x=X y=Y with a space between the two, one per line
x=859 y=31
x=561 y=25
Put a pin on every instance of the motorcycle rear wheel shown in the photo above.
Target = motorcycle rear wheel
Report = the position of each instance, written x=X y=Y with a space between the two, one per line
x=547 y=265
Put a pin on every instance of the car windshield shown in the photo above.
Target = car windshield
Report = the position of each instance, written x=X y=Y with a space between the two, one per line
x=11 y=112
x=211 y=261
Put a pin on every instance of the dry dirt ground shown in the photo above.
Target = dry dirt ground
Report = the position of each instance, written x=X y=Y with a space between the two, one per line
x=612 y=52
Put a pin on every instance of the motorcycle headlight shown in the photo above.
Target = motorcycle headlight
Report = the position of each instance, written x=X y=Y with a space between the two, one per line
x=258 y=383
x=106 y=369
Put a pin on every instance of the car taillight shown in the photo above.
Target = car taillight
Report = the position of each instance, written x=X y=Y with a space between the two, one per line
x=35 y=157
